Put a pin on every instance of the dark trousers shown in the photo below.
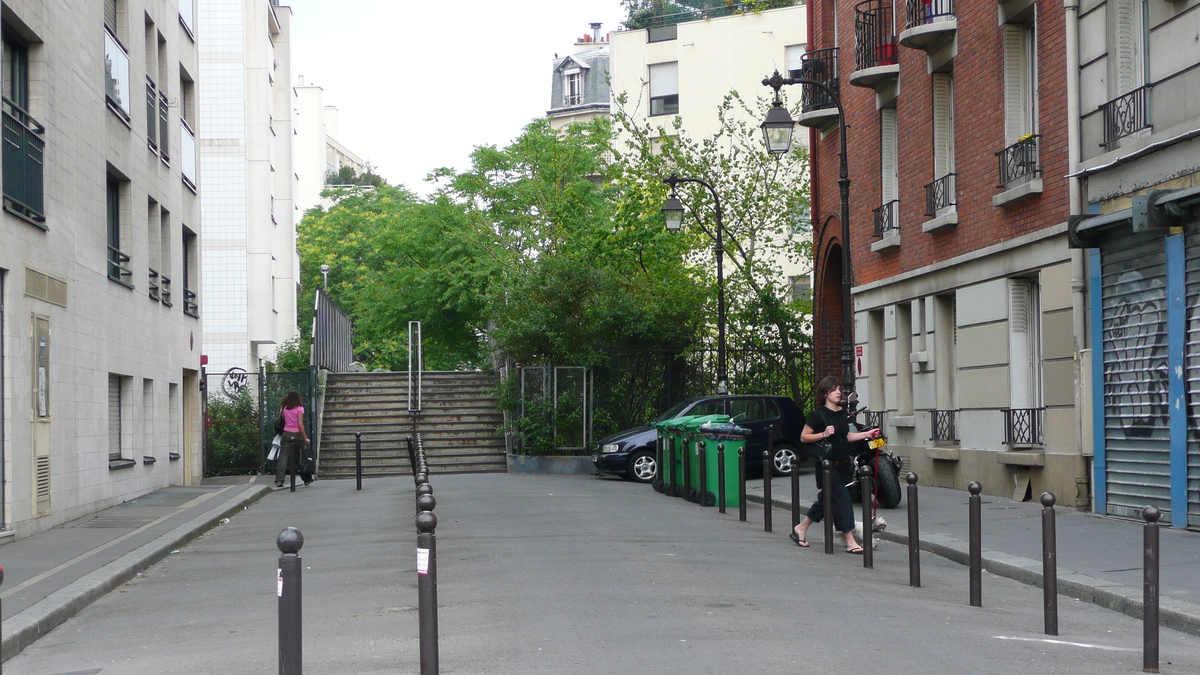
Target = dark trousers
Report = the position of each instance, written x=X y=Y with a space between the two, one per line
x=291 y=456
x=843 y=511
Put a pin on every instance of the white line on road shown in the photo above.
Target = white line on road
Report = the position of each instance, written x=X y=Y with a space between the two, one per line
x=1063 y=642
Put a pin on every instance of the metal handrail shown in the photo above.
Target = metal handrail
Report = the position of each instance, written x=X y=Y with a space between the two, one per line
x=820 y=65
x=163 y=129
x=939 y=195
x=1126 y=114
x=117 y=271
x=919 y=12
x=874 y=38
x=153 y=285
x=1019 y=160
x=151 y=114
x=23 y=154
x=190 y=306
x=885 y=218
x=165 y=283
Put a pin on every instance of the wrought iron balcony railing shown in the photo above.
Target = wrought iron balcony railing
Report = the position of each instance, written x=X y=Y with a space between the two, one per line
x=944 y=425
x=1023 y=426
x=190 y=306
x=887 y=218
x=820 y=65
x=118 y=266
x=939 y=195
x=24 y=149
x=155 y=292
x=873 y=418
x=927 y=11
x=1126 y=114
x=165 y=283
x=874 y=38
x=1019 y=161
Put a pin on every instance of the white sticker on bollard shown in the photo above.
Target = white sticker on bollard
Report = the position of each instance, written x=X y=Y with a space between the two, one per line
x=279 y=585
x=422 y=561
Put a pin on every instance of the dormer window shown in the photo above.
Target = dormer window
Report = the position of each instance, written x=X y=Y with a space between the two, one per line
x=572 y=87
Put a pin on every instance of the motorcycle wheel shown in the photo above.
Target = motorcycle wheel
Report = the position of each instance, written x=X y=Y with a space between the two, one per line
x=889 y=484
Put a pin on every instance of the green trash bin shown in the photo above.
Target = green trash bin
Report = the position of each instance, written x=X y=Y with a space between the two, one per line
x=697 y=455
x=678 y=467
x=733 y=438
x=661 y=455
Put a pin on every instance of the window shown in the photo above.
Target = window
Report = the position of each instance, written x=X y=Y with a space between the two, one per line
x=714 y=407
x=116 y=76
x=153 y=250
x=147 y=417
x=185 y=16
x=752 y=410
x=16 y=70
x=875 y=362
x=943 y=124
x=801 y=287
x=24 y=137
x=662 y=33
x=114 y=417
x=945 y=340
x=889 y=155
x=1024 y=329
x=572 y=87
x=1020 y=82
x=904 y=347
x=164 y=259
x=664 y=88
x=118 y=260
x=793 y=57
x=187 y=98
x=1132 y=64
x=191 y=305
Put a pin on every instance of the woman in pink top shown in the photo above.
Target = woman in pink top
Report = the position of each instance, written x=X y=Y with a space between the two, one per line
x=294 y=438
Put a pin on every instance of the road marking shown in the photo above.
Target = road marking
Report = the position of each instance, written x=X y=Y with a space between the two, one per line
x=1063 y=642
x=50 y=572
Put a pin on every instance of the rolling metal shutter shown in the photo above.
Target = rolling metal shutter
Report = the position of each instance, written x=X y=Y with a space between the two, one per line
x=1136 y=414
x=1192 y=373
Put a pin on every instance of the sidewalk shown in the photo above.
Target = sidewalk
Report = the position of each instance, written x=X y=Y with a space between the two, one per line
x=1099 y=558
x=54 y=574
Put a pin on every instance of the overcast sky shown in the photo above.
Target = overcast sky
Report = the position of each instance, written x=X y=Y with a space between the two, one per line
x=419 y=84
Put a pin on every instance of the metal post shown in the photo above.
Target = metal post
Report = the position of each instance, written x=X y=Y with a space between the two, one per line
x=868 y=533
x=721 y=477
x=976 y=546
x=767 y=489
x=687 y=472
x=742 y=484
x=422 y=490
x=412 y=456
x=358 y=460
x=702 y=457
x=427 y=607
x=827 y=502
x=658 y=461
x=1 y=614
x=1150 y=590
x=288 y=588
x=669 y=485
x=914 y=536
x=1049 y=564
x=796 y=516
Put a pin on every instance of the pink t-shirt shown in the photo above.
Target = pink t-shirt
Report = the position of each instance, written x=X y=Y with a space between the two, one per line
x=291 y=419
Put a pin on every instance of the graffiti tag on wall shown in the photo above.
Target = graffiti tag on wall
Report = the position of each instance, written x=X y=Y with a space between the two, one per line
x=1136 y=377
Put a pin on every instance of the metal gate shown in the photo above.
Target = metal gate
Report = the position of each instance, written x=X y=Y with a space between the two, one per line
x=1136 y=412
x=240 y=409
x=276 y=385
x=557 y=399
x=1192 y=374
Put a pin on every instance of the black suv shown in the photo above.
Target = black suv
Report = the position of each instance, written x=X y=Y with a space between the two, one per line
x=630 y=453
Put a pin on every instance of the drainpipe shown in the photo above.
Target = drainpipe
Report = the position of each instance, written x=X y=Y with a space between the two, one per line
x=1083 y=355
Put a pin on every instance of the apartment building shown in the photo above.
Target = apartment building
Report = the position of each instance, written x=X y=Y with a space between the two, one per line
x=99 y=316
x=967 y=307
x=318 y=152
x=251 y=268
x=579 y=87
x=1135 y=179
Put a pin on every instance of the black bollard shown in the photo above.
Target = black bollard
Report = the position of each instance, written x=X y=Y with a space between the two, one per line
x=975 y=544
x=427 y=608
x=796 y=516
x=767 y=489
x=721 y=477
x=288 y=588
x=358 y=460
x=1049 y=564
x=702 y=489
x=687 y=472
x=914 y=537
x=742 y=484
x=868 y=533
x=826 y=501
x=669 y=486
x=1149 y=591
x=422 y=489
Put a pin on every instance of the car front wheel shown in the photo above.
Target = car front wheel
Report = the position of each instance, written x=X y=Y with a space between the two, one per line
x=784 y=460
x=642 y=467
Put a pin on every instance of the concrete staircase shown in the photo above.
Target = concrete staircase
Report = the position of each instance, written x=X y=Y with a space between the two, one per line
x=459 y=423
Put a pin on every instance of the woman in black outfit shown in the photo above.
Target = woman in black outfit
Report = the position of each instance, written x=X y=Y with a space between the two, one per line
x=830 y=422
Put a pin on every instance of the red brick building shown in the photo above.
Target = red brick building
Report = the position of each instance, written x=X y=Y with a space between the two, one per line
x=964 y=295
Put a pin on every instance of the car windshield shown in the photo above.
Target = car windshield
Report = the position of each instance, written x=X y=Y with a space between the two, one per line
x=674 y=411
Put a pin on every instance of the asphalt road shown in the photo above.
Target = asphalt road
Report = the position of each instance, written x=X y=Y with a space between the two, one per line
x=571 y=574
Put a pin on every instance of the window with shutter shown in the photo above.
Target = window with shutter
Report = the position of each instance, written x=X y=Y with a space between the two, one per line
x=1019 y=82
x=114 y=417
x=943 y=124
x=664 y=88
x=110 y=15
x=1130 y=45
x=1024 y=328
x=889 y=155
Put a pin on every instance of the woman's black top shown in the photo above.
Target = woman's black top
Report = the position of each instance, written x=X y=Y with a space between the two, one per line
x=823 y=417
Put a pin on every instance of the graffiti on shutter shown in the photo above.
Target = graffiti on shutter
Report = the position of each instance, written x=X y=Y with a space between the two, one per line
x=1192 y=374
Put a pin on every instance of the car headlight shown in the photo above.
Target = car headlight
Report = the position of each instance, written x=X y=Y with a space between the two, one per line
x=610 y=447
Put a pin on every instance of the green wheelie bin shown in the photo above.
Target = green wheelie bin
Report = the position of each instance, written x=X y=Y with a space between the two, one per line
x=678 y=467
x=697 y=455
x=732 y=438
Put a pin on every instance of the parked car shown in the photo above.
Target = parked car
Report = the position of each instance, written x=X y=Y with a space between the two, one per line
x=630 y=453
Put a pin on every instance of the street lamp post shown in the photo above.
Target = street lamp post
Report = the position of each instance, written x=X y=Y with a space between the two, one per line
x=777 y=131
x=673 y=218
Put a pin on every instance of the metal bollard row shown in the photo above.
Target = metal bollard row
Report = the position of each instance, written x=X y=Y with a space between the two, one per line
x=289 y=590
x=914 y=535
x=868 y=527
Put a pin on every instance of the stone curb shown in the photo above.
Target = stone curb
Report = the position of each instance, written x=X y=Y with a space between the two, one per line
x=26 y=627
x=1172 y=613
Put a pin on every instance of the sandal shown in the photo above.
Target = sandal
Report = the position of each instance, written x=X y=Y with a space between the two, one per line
x=857 y=550
x=802 y=543
x=278 y=484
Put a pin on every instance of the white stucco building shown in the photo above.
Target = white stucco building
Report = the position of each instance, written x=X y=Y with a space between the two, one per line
x=99 y=321
x=317 y=149
x=251 y=268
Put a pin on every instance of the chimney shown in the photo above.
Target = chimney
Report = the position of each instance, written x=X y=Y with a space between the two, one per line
x=301 y=83
x=595 y=26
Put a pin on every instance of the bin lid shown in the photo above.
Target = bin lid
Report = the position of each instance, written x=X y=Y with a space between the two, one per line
x=722 y=430
x=693 y=424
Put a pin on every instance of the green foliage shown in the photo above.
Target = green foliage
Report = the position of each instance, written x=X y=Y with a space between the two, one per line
x=293 y=355
x=348 y=176
x=650 y=13
x=233 y=440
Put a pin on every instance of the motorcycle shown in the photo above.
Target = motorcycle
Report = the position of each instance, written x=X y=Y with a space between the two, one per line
x=884 y=464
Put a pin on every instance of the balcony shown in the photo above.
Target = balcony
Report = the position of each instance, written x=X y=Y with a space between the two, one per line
x=944 y=425
x=1020 y=171
x=24 y=148
x=874 y=45
x=118 y=267
x=887 y=219
x=817 y=108
x=1126 y=115
x=154 y=291
x=931 y=24
x=1022 y=426
x=873 y=419
x=939 y=195
x=190 y=306
x=164 y=283
x=116 y=77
